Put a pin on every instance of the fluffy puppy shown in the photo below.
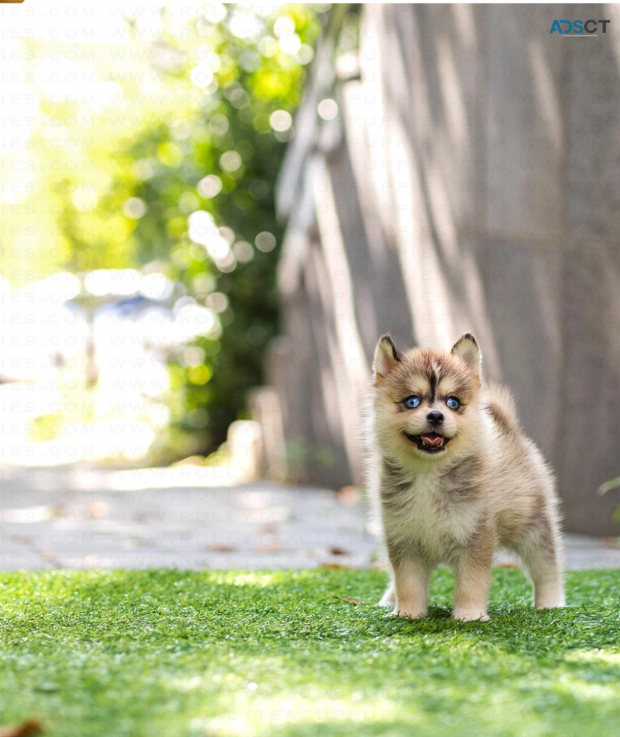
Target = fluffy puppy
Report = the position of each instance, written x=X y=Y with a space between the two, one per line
x=454 y=477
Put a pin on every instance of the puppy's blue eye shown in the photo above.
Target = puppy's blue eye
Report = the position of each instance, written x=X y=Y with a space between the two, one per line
x=412 y=402
x=453 y=403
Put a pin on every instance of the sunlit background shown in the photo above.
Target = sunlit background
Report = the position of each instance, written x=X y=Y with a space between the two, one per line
x=138 y=238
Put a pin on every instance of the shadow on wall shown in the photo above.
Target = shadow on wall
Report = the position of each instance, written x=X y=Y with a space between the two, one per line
x=466 y=184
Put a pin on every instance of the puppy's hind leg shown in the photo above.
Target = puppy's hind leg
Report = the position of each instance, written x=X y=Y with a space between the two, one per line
x=541 y=552
x=389 y=597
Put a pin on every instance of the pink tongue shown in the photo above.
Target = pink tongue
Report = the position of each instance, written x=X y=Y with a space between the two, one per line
x=432 y=439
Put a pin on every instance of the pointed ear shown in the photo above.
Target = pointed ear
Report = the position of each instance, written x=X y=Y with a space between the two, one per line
x=466 y=348
x=386 y=358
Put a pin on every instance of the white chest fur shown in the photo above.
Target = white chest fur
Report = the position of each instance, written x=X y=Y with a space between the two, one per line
x=425 y=516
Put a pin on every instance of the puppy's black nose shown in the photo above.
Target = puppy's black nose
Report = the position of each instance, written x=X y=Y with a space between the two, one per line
x=435 y=418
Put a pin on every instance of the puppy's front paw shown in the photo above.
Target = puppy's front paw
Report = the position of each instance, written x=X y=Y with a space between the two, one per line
x=470 y=614
x=410 y=612
x=551 y=604
x=550 y=596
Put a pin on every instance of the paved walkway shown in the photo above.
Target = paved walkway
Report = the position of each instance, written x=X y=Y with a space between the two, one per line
x=192 y=517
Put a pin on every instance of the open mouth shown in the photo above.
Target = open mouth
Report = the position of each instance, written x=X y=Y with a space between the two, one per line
x=429 y=442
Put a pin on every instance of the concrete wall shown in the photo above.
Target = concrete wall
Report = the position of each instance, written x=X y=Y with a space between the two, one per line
x=470 y=181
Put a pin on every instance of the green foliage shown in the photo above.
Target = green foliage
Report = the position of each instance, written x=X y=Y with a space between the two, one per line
x=46 y=427
x=278 y=654
x=193 y=132
x=610 y=486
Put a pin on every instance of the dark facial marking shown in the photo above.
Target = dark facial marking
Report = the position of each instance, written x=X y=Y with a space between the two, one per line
x=433 y=379
x=387 y=338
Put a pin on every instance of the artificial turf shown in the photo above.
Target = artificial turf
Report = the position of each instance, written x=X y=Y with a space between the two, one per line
x=175 y=653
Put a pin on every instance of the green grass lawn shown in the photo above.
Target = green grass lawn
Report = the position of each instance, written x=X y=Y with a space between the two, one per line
x=278 y=654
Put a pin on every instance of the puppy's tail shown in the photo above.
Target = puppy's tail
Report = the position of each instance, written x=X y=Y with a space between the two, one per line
x=502 y=406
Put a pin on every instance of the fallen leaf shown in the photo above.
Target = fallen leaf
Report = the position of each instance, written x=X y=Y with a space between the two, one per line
x=610 y=542
x=268 y=548
x=26 y=539
x=268 y=529
x=338 y=551
x=349 y=601
x=91 y=560
x=333 y=566
x=58 y=510
x=25 y=729
x=349 y=495
x=221 y=548
x=506 y=565
x=49 y=557
x=96 y=510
